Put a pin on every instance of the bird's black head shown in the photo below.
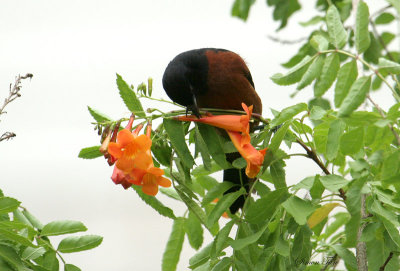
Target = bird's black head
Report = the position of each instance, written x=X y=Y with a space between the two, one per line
x=186 y=76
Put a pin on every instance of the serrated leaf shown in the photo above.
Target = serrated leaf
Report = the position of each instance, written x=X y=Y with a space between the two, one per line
x=313 y=72
x=222 y=206
x=362 y=38
x=11 y=235
x=241 y=8
x=278 y=137
x=283 y=10
x=333 y=182
x=129 y=97
x=356 y=96
x=8 y=205
x=214 y=144
x=194 y=231
x=295 y=74
x=328 y=74
x=62 y=227
x=302 y=247
x=346 y=76
x=31 y=253
x=174 y=245
x=352 y=141
x=202 y=147
x=335 y=131
x=220 y=241
x=336 y=31
x=90 y=152
x=389 y=66
x=98 y=116
x=288 y=113
x=300 y=209
x=320 y=214
x=200 y=257
x=216 y=191
x=154 y=203
x=79 y=243
x=176 y=135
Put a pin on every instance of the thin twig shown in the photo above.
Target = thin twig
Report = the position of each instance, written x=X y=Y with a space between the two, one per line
x=14 y=91
x=289 y=42
x=396 y=135
x=7 y=136
x=382 y=268
x=312 y=155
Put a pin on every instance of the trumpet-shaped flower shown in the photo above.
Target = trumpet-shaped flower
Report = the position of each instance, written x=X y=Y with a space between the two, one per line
x=253 y=157
x=228 y=122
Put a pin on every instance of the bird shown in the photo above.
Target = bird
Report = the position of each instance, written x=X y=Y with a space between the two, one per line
x=213 y=78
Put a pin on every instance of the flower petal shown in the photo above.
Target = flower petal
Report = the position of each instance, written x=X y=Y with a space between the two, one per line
x=114 y=149
x=164 y=182
x=118 y=177
x=150 y=185
x=124 y=137
x=227 y=122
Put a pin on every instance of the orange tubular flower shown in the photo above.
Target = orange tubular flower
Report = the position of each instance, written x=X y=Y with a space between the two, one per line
x=253 y=157
x=228 y=122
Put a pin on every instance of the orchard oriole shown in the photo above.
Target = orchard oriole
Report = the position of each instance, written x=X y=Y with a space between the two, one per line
x=213 y=78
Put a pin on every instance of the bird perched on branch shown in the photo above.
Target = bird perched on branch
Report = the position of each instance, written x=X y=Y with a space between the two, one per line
x=213 y=78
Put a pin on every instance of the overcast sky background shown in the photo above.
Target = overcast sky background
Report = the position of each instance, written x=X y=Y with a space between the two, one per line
x=74 y=49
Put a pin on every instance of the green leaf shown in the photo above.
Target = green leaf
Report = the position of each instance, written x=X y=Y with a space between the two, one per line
x=333 y=182
x=129 y=97
x=340 y=220
x=288 y=113
x=79 y=243
x=50 y=261
x=299 y=209
x=241 y=243
x=347 y=256
x=62 y=227
x=202 y=147
x=19 y=216
x=71 y=267
x=99 y=117
x=278 y=137
x=222 y=206
x=176 y=134
x=200 y=257
x=302 y=247
x=154 y=203
x=384 y=18
x=389 y=66
x=13 y=236
x=352 y=141
x=313 y=71
x=258 y=214
x=8 y=205
x=221 y=239
x=362 y=38
x=194 y=231
x=320 y=214
x=90 y=152
x=174 y=246
x=336 y=31
x=213 y=143
x=9 y=255
x=312 y=21
x=328 y=74
x=32 y=219
x=332 y=145
x=317 y=113
x=241 y=8
x=216 y=191
x=31 y=253
x=193 y=206
x=319 y=42
x=395 y=4
x=295 y=74
x=283 y=10
x=347 y=75
x=277 y=170
x=223 y=264
x=356 y=96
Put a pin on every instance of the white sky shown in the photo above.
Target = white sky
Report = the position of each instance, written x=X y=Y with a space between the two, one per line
x=74 y=48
